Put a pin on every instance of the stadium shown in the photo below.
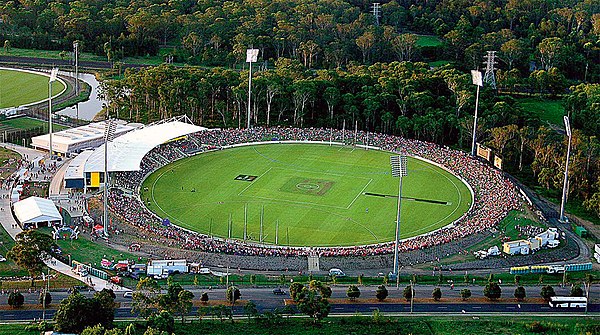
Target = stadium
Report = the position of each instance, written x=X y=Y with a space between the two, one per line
x=231 y=195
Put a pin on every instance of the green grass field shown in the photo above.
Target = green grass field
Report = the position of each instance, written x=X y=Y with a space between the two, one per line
x=19 y=88
x=27 y=123
x=429 y=41
x=551 y=111
x=318 y=195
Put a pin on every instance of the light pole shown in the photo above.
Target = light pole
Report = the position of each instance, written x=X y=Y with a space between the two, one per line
x=52 y=79
x=398 y=164
x=566 y=181
x=477 y=80
x=76 y=54
x=109 y=134
x=251 y=57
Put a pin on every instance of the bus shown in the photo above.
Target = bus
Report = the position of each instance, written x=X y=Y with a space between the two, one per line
x=568 y=302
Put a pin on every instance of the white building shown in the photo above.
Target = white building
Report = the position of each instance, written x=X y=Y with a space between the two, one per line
x=166 y=266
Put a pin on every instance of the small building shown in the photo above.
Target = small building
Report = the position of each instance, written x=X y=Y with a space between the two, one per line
x=166 y=266
x=34 y=212
x=581 y=231
x=535 y=243
x=516 y=247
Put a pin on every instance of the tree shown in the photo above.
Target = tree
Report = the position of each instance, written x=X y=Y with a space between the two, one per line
x=193 y=42
x=7 y=46
x=551 y=51
x=353 y=292
x=465 y=294
x=492 y=291
x=520 y=293
x=576 y=291
x=382 y=293
x=405 y=46
x=517 y=280
x=296 y=291
x=144 y=299
x=360 y=279
x=184 y=303
x=250 y=309
x=95 y=330
x=547 y=292
x=365 y=43
x=47 y=296
x=436 y=294
x=408 y=293
x=162 y=321
x=233 y=294
x=512 y=51
x=31 y=249
x=314 y=305
x=77 y=312
x=204 y=297
x=15 y=299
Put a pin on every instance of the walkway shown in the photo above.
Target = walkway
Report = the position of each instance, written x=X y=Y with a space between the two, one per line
x=12 y=228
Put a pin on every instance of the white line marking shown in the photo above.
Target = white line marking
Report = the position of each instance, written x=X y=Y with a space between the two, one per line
x=359 y=193
x=251 y=183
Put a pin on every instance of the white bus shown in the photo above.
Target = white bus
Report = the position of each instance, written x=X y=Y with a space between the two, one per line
x=566 y=302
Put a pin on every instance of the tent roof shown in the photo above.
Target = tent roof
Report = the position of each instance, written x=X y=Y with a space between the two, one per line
x=125 y=153
x=35 y=209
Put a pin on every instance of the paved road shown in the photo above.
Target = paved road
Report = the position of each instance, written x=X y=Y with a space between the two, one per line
x=351 y=309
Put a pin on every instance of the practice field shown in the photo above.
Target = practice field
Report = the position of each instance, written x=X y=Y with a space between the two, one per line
x=306 y=194
x=20 y=88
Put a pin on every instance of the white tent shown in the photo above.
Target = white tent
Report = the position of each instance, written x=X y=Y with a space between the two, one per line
x=34 y=210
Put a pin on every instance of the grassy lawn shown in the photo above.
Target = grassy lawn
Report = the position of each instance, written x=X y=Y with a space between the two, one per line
x=320 y=195
x=26 y=123
x=365 y=324
x=19 y=88
x=551 y=111
x=439 y=63
x=8 y=268
x=429 y=41
x=8 y=162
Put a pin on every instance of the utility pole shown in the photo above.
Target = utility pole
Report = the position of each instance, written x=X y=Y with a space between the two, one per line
x=563 y=202
x=376 y=10
x=490 y=62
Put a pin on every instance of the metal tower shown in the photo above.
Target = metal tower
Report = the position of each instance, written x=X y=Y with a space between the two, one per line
x=490 y=61
x=376 y=10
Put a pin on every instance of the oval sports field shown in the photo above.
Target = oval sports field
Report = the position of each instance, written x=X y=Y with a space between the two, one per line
x=303 y=195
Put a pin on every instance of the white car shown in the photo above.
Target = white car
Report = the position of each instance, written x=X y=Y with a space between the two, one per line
x=2 y=259
x=128 y=294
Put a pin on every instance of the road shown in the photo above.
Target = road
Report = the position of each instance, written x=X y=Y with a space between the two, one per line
x=266 y=301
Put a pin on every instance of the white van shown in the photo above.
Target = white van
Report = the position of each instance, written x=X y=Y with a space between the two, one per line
x=336 y=272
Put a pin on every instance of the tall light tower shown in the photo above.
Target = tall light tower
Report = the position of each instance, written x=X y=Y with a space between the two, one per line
x=563 y=218
x=53 y=76
x=477 y=80
x=109 y=135
x=398 y=164
x=76 y=56
x=251 y=57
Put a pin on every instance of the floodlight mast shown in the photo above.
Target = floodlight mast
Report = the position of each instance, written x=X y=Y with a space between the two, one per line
x=109 y=132
x=478 y=81
x=53 y=76
x=398 y=164
x=251 y=57
x=566 y=179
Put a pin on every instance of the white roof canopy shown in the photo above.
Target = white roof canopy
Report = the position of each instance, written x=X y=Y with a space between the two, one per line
x=35 y=209
x=125 y=153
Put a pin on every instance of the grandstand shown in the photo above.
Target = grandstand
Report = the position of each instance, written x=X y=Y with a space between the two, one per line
x=75 y=140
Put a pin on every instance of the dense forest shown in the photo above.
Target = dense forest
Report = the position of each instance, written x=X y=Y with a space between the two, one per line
x=334 y=63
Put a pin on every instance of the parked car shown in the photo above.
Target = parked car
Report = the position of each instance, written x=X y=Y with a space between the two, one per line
x=2 y=259
x=336 y=272
x=128 y=294
x=116 y=280
x=278 y=291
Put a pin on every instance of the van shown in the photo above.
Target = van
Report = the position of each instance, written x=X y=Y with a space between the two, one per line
x=336 y=272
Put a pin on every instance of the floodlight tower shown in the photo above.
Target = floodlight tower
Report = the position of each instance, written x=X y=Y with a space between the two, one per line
x=566 y=180
x=251 y=57
x=476 y=76
x=109 y=134
x=398 y=164
x=76 y=56
x=53 y=76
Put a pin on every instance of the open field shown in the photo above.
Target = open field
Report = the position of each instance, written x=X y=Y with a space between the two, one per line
x=19 y=88
x=317 y=195
x=551 y=111
x=429 y=41
x=27 y=123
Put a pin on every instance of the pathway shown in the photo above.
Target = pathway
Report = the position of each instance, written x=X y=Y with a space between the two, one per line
x=12 y=228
